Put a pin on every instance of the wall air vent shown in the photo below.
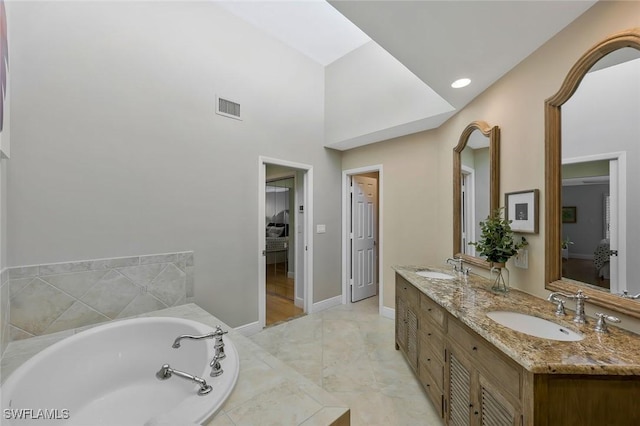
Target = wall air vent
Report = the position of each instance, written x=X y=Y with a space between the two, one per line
x=227 y=108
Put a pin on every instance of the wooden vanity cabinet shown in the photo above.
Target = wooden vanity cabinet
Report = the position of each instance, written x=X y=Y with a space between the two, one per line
x=420 y=336
x=471 y=382
x=468 y=381
x=407 y=305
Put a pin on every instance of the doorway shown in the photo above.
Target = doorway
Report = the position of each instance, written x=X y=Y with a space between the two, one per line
x=280 y=245
x=594 y=220
x=285 y=206
x=362 y=234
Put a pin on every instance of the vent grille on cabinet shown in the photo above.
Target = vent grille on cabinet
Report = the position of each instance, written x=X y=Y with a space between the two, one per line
x=227 y=108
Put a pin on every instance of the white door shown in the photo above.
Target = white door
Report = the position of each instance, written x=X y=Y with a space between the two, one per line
x=363 y=231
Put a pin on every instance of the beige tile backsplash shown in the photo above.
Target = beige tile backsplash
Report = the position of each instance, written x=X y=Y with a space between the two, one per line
x=43 y=299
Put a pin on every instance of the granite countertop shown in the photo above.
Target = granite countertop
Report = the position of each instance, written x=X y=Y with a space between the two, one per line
x=613 y=353
x=267 y=392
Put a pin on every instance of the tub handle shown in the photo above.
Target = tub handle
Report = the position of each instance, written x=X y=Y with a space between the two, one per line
x=166 y=372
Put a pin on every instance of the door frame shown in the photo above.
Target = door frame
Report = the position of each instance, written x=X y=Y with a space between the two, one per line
x=305 y=262
x=617 y=183
x=346 y=217
x=469 y=210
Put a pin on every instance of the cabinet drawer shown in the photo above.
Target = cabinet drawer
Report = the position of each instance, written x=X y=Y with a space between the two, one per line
x=433 y=390
x=488 y=360
x=408 y=292
x=432 y=310
x=431 y=361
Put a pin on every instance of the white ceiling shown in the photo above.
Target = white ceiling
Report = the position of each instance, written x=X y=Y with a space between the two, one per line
x=438 y=41
x=441 y=41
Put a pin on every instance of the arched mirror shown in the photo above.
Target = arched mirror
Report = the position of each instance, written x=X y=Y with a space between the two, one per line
x=592 y=165
x=476 y=186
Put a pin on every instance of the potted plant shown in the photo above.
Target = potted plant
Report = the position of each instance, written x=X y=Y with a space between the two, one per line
x=497 y=245
x=565 y=247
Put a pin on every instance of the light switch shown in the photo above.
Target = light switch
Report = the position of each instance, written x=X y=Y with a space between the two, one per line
x=321 y=229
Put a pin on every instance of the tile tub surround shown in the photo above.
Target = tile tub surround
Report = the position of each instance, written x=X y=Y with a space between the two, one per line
x=48 y=298
x=267 y=392
x=615 y=353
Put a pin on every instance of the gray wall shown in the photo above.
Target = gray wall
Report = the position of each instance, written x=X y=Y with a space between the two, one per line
x=587 y=232
x=116 y=149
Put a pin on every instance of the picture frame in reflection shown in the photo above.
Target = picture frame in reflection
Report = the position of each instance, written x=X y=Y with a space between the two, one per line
x=569 y=214
x=521 y=208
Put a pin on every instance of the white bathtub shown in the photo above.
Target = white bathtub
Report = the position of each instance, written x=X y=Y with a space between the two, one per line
x=107 y=376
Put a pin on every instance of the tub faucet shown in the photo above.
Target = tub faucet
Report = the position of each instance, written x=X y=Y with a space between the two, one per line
x=213 y=334
x=216 y=368
x=166 y=372
x=219 y=344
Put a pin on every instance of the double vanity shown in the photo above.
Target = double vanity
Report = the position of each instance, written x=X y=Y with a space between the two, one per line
x=460 y=339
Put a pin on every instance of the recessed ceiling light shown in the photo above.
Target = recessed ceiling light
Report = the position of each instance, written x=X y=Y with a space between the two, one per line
x=463 y=82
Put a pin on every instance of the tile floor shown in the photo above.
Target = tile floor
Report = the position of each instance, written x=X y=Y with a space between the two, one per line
x=349 y=350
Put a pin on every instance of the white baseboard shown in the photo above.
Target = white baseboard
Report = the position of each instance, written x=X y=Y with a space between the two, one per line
x=299 y=302
x=291 y=274
x=326 y=304
x=249 y=329
x=388 y=312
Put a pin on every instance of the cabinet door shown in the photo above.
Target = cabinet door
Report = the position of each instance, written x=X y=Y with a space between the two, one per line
x=460 y=404
x=495 y=408
x=401 y=323
x=412 y=339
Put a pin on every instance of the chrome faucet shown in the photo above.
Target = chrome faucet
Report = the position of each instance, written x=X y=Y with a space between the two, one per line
x=456 y=262
x=555 y=298
x=166 y=372
x=219 y=344
x=216 y=368
x=579 y=297
x=213 y=334
x=626 y=295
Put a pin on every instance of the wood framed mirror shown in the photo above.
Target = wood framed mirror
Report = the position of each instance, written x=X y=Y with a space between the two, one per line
x=611 y=58
x=476 y=186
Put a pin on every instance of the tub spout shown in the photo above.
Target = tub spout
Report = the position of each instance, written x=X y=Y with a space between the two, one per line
x=166 y=372
x=216 y=334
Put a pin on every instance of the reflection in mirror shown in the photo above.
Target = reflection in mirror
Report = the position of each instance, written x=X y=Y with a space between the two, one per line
x=600 y=130
x=476 y=185
x=592 y=163
x=474 y=182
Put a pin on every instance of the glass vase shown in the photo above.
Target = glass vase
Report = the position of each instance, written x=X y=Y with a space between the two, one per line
x=500 y=278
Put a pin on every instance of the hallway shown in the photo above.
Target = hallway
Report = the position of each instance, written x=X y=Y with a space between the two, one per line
x=349 y=350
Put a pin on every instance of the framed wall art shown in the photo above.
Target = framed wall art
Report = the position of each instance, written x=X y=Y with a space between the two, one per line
x=521 y=208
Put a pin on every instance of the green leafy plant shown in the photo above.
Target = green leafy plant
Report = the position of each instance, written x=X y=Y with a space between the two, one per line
x=566 y=243
x=496 y=240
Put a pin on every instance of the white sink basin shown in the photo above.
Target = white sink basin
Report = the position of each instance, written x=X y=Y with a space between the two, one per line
x=534 y=326
x=436 y=275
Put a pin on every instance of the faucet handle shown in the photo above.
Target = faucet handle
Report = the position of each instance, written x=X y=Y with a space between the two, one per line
x=601 y=325
x=625 y=295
